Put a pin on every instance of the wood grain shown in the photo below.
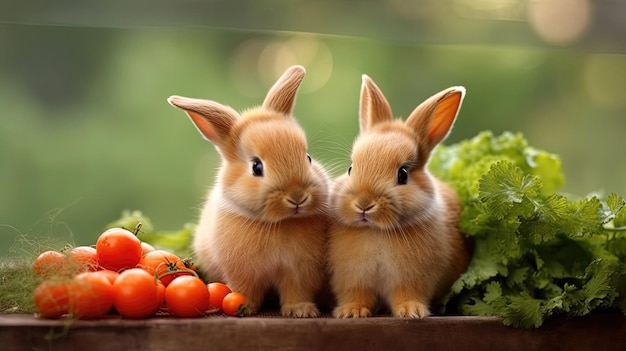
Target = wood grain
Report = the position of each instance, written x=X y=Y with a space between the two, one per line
x=24 y=332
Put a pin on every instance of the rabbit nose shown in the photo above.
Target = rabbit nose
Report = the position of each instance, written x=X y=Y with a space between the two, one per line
x=364 y=207
x=297 y=198
x=299 y=201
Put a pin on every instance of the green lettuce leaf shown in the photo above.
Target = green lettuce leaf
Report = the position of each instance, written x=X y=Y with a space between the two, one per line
x=537 y=253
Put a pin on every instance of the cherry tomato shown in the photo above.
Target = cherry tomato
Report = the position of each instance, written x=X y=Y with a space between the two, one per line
x=118 y=249
x=109 y=274
x=51 y=263
x=160 y=293
x=187 y=296
x=163 y=262
x=234 y=304
x=190 y=265
x=217 y=291
x=83 y=259
x=145 y=248
x=136 y=294
x=91 y=295
x=52 y=298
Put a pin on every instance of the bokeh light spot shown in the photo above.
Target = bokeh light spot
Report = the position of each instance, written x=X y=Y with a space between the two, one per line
x=559 y=22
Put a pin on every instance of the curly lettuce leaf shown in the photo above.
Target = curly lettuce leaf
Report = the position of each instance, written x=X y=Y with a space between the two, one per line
x=537 y=253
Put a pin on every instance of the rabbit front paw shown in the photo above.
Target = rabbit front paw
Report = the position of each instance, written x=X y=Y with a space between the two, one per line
x=411 y=309
x=351 y=310
x=300 y=310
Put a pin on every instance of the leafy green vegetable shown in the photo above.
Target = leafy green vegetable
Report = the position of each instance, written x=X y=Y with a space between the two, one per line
x=537 y=253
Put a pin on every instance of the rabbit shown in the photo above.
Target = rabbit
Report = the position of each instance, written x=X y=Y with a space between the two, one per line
x=394 y=236
x=264 y=224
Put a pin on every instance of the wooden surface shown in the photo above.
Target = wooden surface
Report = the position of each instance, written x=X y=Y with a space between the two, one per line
x=24 y=332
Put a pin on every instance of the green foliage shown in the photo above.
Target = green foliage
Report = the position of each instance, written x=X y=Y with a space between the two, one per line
x=537 y=253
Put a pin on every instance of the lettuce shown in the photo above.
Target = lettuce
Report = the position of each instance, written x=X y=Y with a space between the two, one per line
x=537 y=253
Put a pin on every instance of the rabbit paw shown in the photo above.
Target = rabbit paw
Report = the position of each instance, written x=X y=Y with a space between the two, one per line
x=300 y=310
x=351 y=310
x=411 y=309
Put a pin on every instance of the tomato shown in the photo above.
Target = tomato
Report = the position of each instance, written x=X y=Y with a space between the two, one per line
x=91 y=295
x=83 y=259
x=217 y=291
x=160 y=293
x=145 y=248
x=51 y=263
x=136 y=294
x=187 y=296
x=190 y=265
x=52 y=298
x=118 y=249
x=234 y=304
x=163 y=262
x=109 y=274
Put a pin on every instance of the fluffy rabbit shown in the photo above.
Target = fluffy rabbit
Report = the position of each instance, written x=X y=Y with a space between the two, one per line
x=264 y=224
x=395 y=235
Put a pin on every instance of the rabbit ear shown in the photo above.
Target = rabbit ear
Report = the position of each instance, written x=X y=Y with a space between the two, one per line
x=373 y=106
x=282 y=96
x=212 y=119
x=432 y=120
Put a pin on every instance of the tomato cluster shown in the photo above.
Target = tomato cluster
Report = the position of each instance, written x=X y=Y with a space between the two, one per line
x=129 y=277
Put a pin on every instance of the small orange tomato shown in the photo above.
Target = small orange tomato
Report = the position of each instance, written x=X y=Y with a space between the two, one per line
x=118 y=249
x=234 y=304
x=145 y=248
x=162 y=262
x=160 y=293
x=51 y=263
x=136 y=294
x=91 y=295
x=187 y=296
x=217 y=291
x=83 y=259
x=109 y=274
x=52 y=298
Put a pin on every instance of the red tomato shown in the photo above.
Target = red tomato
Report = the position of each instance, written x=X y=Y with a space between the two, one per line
x=187 y=296
x=136 y=294
x=52 y=298
x=111 y=275
x=190 y=265
x=91 y=295
x=234 y=304
x=163 y=262
x=51 y=263
x=217 y=291
x=160 y=293
x=118 y=249
x=83 y=259
x=145 y=248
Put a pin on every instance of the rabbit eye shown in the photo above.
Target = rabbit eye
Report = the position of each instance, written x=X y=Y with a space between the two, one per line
x=257 y=167
x=403 y=175
x=309 y=157
x=349 y=170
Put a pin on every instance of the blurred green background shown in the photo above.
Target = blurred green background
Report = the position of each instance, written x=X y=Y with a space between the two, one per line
x=86 y=132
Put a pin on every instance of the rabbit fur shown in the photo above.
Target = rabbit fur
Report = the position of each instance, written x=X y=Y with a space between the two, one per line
x=264 y=224
x=395 y=237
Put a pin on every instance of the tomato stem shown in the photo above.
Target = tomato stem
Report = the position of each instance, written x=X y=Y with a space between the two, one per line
x=177 y=271
x=241 y=310
x=137 y=228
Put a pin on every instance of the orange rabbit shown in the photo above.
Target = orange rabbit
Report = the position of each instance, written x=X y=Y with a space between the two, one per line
x=264 y=224
x=395 y=236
